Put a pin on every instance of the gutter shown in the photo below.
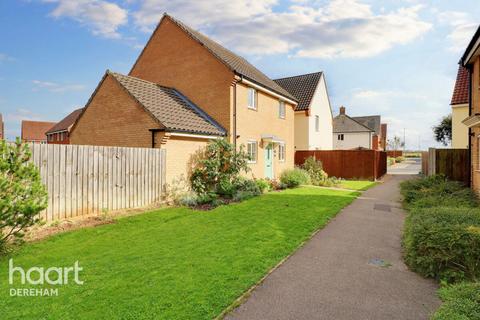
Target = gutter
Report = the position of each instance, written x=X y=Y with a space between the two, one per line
x=263 y=89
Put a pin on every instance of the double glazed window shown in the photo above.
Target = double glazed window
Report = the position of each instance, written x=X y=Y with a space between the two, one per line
x=252 y=98
x=252 y=151
x=340 y=137
x=281 y=109
x=317 y=123
x=281 y=152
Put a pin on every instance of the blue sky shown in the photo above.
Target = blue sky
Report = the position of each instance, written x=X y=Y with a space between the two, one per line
x=397 y=58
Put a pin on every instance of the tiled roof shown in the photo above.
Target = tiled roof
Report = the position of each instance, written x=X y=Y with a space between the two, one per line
x=35 y=130
x=172 y=109
x=66 y=123
x=460 y=92
x=343 y=123
x=236 y=63
x=301 y=87
x=372 y=122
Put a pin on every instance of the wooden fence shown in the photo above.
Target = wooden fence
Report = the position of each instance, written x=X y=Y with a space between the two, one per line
x=84 y=180
x=348 y=164
x=453 y=163
x=394 y=153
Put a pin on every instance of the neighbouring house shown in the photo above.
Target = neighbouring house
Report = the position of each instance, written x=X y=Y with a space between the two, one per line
x=60 y=132
x=471 y=61
x=349 y=133
x=2 y=128
x=313 y=114
x=379 y=138
x=35 y=131
x=198 y=90
x=459 y=106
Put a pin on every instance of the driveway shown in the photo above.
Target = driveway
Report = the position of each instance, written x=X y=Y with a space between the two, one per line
x=352 y=269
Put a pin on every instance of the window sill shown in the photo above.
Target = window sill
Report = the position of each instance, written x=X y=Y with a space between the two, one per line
x=252 y=108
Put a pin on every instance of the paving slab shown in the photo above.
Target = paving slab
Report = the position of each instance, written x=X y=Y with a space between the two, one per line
x=352 y=269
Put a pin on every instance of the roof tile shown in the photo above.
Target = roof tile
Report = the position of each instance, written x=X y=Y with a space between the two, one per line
x=460 y=92
x=35 y=130
x=301 y=87
x=66 y=123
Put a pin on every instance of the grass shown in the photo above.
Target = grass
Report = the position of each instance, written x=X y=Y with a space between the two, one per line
x=460 y=302
x=359 y=185
x=174 y=263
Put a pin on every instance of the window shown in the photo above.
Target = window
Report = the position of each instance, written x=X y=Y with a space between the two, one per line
x=317 y=123
x=281 y=109
x=252 y=98
x=61 y=136
x=252 y=151
x=281 y=152
x=340 y=137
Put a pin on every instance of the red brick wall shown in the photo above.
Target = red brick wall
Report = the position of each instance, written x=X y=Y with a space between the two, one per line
x=174 y=59
x=113 y=118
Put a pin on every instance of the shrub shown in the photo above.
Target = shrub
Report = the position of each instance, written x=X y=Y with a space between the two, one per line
x=443 y=243
x=461 y=301
x=22 y=194
x=247 y=185
x=390 y=161
x=399 y=159
x=217 y=166
x=243 y=195
x=436 y=190
x=293 y=178
x=263 y=185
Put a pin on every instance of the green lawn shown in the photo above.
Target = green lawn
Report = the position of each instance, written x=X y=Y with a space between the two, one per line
x=174 y=263
x=358 y=185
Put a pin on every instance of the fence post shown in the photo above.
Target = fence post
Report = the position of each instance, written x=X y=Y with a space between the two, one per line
x=431 y=161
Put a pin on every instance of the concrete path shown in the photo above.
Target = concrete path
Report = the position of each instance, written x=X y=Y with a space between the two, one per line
x=337 y=274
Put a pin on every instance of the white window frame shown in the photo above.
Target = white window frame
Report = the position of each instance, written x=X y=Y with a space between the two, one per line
x=317 y=123
x=282 y=152
x=281 y=109
x=255 y=151
x=252 y=95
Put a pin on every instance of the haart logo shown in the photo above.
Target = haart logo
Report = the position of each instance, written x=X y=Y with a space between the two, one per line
x=39 y=276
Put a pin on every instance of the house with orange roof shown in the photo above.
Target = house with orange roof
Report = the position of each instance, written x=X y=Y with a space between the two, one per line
x=35 y=131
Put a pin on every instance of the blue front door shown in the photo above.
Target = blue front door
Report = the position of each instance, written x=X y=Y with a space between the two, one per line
x=269 y=162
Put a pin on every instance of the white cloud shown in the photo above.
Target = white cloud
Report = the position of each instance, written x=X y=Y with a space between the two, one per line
x=462 y=26
x=22 y=114
x=4 y=57
x=101 y=17
x=342 y=28
x=56 y=87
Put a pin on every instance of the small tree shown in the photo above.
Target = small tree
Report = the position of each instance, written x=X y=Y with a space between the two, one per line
x=22 y=194
x=395 y=143
x=217 y=167
x=443 y=131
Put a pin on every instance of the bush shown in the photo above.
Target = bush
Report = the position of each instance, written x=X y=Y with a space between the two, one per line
x=243 y=195
x=443 y=243
x=22 y=194
x=217 y=166
x=461 y=302
x=247 y=185
x=293 y=178
x=436 y=190
x=390 y=161
x=399 y=159
x=263 y=185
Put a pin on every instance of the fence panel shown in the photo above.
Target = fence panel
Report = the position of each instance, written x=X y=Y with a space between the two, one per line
x=348 y=164
x=83 y=180
x=453 y=163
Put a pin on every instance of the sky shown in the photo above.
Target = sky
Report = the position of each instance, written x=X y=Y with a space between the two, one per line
x=396 y=58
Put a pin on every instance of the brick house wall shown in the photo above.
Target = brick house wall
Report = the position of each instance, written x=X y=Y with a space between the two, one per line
x=113 y=118
x=58 y=138
x=173 y=59
x=252 y=124
x=475 y=137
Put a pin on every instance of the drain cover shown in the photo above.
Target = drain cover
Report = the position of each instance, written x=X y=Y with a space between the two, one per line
x=379 y=263
x=382 y=207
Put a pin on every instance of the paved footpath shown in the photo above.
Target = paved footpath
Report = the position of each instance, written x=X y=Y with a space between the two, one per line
x=338 y=273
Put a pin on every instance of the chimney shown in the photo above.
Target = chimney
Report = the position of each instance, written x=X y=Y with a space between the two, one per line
x=342 y=110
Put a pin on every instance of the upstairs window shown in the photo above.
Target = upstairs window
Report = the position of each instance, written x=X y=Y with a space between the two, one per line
x=252 y=151
x=281 y=109
x=340 y=137
x=281 y=152
x=317 y=123
x=252 y=99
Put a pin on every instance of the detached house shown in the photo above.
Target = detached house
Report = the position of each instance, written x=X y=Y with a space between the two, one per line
x=313 y=114
x=471 y=61
x=35 y=131
x=60 y=132
x=349 y=133
x=185 y=89
x=459 y=106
